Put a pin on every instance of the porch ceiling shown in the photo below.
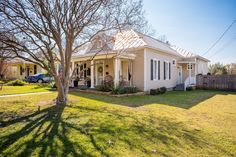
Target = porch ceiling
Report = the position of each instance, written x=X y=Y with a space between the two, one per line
x=103 y=56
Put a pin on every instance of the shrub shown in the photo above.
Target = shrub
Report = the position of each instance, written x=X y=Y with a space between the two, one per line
x=158 y=91
x=131 y=89
x=153 y=92
x=190 y=88
x=124 y=90
x=16 y=83
x=118 y=90
x=1 y=82
x=163 y=90
x=103 y=88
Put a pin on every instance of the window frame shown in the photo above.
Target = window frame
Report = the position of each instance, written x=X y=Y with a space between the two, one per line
x=190 y=65
x=174 y=60
x=166 y=72
x=155 y=69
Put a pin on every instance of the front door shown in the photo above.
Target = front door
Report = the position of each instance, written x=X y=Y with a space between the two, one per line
x=99 y=72
x=179 y=78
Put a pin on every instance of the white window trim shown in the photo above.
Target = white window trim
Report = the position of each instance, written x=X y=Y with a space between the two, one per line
x=174 y=60
x=167 y=72
x=190 y=65
x=155 y=60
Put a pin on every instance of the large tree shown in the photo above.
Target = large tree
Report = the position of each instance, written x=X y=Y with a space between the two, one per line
x=56 y=29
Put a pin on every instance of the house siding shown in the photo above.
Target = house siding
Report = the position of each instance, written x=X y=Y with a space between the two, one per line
x=138 y=70
x=202 y=67
x=163 y=57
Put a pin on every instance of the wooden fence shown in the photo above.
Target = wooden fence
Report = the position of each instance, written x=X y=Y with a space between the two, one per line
x=219 y=82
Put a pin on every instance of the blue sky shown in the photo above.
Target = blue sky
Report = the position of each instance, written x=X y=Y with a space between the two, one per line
x=195 y=25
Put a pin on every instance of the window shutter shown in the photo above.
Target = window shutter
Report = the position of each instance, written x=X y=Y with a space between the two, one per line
x=159 y=69
x=21 y=70
x=151 y=69
x=169 y=70
x=35 y=69
x=164 y=70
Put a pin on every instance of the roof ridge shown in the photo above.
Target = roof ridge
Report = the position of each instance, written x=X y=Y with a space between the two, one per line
x=151 y=37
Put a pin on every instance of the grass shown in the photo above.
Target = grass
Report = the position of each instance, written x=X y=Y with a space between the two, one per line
x=196 y=123
x=24 y=89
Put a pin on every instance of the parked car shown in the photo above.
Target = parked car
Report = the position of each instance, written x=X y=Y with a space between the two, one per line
x=39 y=78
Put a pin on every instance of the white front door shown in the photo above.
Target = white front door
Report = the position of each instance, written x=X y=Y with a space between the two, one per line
x=99 y=73
x=179 y=78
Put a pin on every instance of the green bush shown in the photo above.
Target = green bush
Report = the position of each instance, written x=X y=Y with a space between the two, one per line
x=124 y=90
x=153 y=92
x=118 y=90
x=16 y=83
x=158 y=91
x=190 y=88
x=103 y=88
x=131 y=89
x=1 y=82
x=163 y=90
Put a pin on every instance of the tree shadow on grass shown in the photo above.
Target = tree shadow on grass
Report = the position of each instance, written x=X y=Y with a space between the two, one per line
x=53 y=131
x=180 y=99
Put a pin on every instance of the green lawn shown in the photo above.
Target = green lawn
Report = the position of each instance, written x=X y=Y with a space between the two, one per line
x=196 y=123
x=24 y=89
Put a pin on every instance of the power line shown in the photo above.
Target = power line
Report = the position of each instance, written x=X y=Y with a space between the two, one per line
x=223 y=47
x=228 y=28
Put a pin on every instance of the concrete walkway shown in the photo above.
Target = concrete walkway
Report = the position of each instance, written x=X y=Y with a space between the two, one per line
x=25 y=94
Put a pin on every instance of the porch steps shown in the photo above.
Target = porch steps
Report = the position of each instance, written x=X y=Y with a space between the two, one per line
x=179 y=87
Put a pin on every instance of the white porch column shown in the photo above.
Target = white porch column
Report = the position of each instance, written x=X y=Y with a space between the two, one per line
x=92 y=74
x=71 y=72
x=117 y=72
x=189 y=72
x=24 y=70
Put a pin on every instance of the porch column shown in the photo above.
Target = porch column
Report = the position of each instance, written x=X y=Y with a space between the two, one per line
x=72 y=70
x=189 y=72
x=24 y=70
x=92 y=74
x=117 y=72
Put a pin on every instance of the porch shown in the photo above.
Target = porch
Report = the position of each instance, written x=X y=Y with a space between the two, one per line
x=187 y=72
x=94 y=72
x=22 y=69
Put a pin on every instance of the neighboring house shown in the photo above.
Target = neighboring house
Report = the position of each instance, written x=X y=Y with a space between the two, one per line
x=136 y=59
x=20 y=69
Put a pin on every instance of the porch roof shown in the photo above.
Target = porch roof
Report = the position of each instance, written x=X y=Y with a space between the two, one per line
x=186 y=62
x=103 y=55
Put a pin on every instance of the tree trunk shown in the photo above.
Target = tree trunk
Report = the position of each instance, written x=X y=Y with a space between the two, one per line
x=62 y=95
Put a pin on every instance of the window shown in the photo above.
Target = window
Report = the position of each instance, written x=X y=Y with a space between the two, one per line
x=174 y=62
x=155 y=69
x=159 y=70
x=190 y=66
x=167 y=70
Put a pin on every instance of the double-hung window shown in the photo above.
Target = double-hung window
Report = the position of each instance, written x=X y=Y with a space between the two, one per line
x=167 y=70
x=155 y=69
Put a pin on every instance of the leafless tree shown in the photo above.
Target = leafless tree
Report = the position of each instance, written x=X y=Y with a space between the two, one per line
x=56 y=29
